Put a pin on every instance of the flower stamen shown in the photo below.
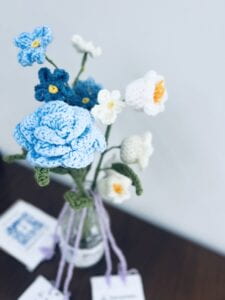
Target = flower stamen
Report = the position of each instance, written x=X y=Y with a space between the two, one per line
x=111 y=104
x=85 y=100
x=35 y=44
x=159 y=91
x=53 y=89
x=118 y=188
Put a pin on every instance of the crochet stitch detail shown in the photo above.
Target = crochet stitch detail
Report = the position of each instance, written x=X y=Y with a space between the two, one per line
x=59 y=135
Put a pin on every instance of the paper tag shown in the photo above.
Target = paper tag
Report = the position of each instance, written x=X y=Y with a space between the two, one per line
x=131 y=289
x=24 y=231
x=41 y=289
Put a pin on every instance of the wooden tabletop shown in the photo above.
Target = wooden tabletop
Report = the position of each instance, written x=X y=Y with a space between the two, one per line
x=172 y=268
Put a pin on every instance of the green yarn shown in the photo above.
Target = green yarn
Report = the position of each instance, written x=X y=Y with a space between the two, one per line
x=77 y=201
x=128 y=172
x=12 y=158
x=41 y=176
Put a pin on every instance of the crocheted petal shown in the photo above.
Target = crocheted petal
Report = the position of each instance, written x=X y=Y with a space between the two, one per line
x=77 y=159
x=24 y=58
x=99 y=144
x=84 y=141
x=44 y=75
x=38 y=55
x=44 y=33
x=27 y=127
x=40 y=92
x=43 y=162
x=45 y=134
x=45 y=149
x=20 y=139
x=82 y=120
x=23 y=40
x=66 y=91
x=53 y=107
x=62 y=125
x=61 y=75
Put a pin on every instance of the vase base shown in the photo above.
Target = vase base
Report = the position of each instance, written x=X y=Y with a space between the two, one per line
x=85 y=258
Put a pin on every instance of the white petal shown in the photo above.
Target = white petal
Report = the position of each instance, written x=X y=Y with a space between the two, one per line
x=115 y=95
x=103 y=96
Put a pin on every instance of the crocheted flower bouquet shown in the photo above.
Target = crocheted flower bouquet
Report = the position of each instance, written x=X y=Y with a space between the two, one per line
x=62 y=136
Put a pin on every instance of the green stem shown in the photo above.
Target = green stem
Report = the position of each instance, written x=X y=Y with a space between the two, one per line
x=78 y=181
x=82 y=68
x=111 y=148
x=107 y=133
x=51 y=62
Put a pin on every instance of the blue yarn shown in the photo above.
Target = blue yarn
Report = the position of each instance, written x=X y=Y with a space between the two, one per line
x=28 y=54
x=58 y=134
x=85 y=89
x=59 y=78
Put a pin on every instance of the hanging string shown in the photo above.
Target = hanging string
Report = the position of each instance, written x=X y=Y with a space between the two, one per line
x=64 y=251
x=103 y=215
x=50 y=251
x=122 y=270
x=75 y=248
x=105 y=239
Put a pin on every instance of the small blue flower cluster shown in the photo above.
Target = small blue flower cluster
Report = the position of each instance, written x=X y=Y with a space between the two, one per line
x=62 y=131
x=58 y=134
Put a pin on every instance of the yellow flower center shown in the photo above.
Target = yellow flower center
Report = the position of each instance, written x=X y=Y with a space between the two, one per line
x=53 y=89
x=85 y=100
x=35 y=44
x=118 y=188
x=111 y=104
x=159 y=91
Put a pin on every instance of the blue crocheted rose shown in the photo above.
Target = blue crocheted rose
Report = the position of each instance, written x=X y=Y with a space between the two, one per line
x=85 y=93
x=53 y=86
x=58 y=134
x=33 y=45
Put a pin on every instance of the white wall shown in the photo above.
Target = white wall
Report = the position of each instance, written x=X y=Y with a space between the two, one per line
x=183 y=40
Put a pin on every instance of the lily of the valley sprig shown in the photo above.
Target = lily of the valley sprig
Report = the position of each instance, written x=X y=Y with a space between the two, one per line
x=62 y=135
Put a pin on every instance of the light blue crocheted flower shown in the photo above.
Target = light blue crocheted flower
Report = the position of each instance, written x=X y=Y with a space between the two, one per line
x=33 y=45
x=58 y=134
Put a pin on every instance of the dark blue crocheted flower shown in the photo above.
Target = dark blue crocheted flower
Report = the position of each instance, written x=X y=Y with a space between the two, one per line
x=33 y=45
x=85 y=93
x=53 y=86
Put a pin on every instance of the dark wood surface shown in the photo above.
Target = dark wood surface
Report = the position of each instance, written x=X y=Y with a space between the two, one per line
x=172 y=268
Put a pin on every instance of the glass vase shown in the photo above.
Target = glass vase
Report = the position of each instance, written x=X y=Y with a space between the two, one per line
x=91 y=248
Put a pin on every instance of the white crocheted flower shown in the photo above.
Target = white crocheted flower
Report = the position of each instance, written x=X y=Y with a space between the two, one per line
x=137 y=149
x=147 y=93
x=83 y=46
x=108 y=107
x=115 y=187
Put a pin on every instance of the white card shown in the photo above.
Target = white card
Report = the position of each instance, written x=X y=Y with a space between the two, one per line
x=41 y=289
x=24 y=231
x=131 y=289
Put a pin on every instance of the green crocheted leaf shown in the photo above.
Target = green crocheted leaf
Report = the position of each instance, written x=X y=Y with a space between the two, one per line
x=12 y=158
x=127 y=171
x=77 y=201
x=41 y=176
x=59 y=170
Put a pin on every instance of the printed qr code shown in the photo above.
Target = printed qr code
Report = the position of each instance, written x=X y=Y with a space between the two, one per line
x=24 y=228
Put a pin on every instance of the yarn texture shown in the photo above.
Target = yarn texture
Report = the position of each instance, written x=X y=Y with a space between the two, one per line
x=58 y=134
x=85 y=93
x=33 y=45
x=53 y=86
